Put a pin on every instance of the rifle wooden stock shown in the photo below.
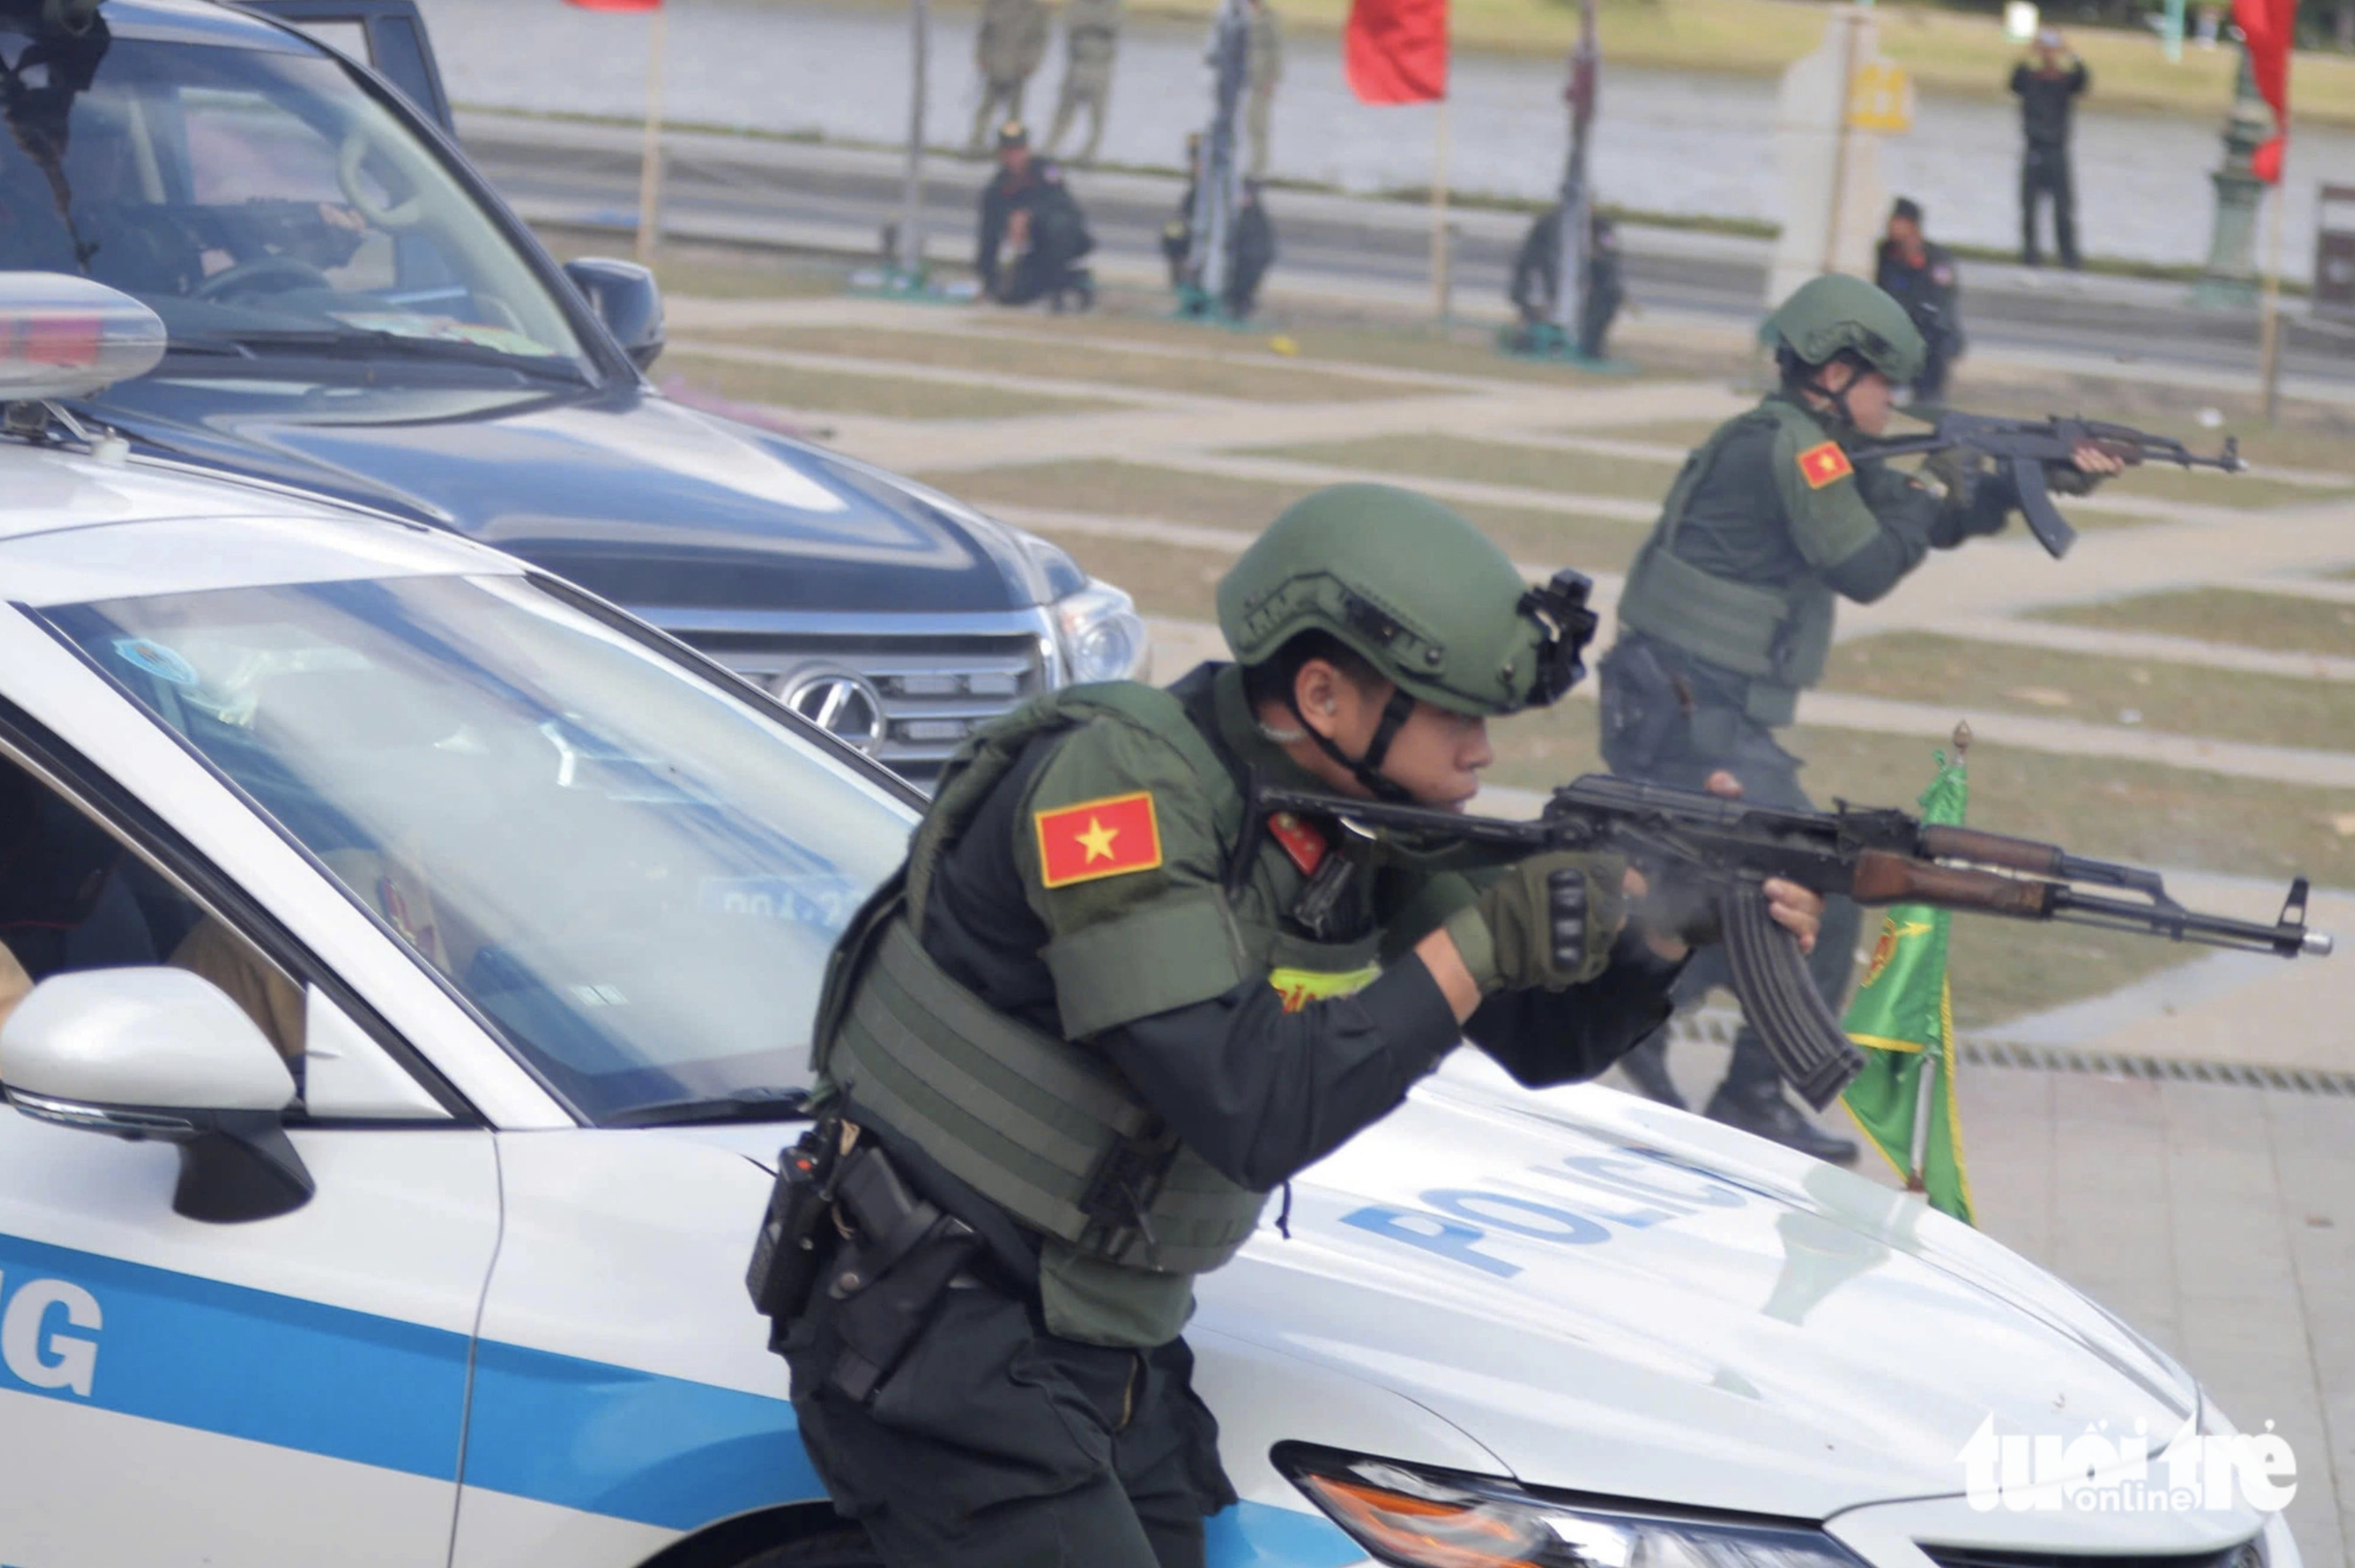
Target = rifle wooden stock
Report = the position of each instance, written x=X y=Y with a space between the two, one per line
x=1992 y=849
x=1885 y=878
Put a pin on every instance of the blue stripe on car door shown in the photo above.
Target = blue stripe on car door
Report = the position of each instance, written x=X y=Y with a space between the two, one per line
x=348 y=1385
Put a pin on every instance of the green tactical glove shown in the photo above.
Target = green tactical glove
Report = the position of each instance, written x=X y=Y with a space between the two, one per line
x=1549 y=923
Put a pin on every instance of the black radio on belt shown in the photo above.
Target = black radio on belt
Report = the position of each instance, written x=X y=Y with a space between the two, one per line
x=797 y=1235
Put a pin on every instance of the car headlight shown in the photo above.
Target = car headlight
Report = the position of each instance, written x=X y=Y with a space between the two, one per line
x=1101 y=634
x=1429 y=1518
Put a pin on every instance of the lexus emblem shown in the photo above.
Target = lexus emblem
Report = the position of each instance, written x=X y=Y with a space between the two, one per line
x=843 y=705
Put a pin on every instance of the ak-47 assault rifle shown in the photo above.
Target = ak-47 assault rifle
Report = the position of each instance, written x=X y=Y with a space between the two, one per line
x=1698 y=847
x=2025 y=446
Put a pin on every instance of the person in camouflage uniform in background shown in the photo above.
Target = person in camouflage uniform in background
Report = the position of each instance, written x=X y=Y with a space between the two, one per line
x=1264 y=72
x=1727 y=613
x=1013 y=41
x=1090 y=39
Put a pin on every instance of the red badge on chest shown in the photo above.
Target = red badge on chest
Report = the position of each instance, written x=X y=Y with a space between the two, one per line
x=1304 y=844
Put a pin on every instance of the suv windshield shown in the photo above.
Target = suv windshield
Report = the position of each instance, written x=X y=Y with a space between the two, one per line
x=633 y=874
x=260 y=203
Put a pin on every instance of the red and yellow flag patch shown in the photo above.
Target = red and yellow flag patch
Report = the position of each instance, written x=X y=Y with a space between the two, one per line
x=1822 y=463
x=1098 y=838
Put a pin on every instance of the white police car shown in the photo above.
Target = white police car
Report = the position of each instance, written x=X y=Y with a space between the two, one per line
x=430 y=936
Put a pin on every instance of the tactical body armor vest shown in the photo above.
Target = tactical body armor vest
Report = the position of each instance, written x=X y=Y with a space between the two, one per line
x=1777 y=638
x=1043 y=1126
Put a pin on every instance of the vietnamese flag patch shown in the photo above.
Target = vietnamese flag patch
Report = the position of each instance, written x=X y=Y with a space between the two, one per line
x=1822 y=463
x=1098 y=838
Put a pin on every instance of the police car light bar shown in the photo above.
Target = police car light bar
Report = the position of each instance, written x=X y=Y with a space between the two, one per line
x=63 y=337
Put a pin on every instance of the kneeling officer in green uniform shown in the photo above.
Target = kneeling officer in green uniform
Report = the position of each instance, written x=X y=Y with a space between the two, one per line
x=1727 y=614
x=1104 y=1012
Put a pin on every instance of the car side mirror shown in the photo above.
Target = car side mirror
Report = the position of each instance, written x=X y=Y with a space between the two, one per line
x=627 y=300
x=159 y=1053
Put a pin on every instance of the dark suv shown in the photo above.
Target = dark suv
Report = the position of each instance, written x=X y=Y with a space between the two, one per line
x=353 y=311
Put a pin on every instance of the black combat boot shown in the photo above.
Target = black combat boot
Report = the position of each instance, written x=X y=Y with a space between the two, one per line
x=1761 y=1109
x=1647 y=1067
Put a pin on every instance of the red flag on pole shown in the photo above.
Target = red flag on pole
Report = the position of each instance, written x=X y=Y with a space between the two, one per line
x=616 y=5
x=1395 y=52
x=2270 y=25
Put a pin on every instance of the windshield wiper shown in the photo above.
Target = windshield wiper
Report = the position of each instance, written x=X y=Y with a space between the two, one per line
x=359 y=344
x=739 y=1105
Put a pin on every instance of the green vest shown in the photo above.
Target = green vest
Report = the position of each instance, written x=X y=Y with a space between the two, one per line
x=1040 y=1124
x=1777 y=637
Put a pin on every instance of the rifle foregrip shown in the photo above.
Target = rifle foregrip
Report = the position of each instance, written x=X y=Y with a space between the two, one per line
x=1992 y=849
x=1780 y=1001
x=1885 y=878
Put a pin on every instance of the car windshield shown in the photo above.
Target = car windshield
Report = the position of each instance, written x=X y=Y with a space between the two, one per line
x=264 y=206
x=635 y=875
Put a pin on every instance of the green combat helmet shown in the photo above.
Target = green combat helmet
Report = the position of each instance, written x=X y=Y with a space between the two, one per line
x=1834 y=313
x=1420 y=594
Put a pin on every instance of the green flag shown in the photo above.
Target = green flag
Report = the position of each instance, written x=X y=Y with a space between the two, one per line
x=1904 y=1017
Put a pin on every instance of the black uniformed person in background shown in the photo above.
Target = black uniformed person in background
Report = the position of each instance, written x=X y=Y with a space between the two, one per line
x=1104 y=1012
x=1921 y=276
x=1536 y=277
x=1727 y=613
x=1028 y=209
x=1251 y=248
x=2047 y=85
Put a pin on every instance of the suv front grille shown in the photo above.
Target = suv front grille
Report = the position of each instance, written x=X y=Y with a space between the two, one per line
x=907 y=701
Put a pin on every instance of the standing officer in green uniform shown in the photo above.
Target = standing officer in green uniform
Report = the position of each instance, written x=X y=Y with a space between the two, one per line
x=1727 y=614
x=1090 y=40
x=1104 y=1011
x=1012 y=41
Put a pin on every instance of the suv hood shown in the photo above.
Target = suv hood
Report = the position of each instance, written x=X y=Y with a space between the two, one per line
x=1617 y=1299
x=653 y=505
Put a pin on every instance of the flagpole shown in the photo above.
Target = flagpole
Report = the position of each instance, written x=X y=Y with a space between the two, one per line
x=650 y=156
x=2269 y=321
x=1439 y=215
x=911 y=218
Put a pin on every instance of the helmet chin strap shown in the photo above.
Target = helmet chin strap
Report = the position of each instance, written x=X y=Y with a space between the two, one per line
x=1838 y=399
x=1368 y=770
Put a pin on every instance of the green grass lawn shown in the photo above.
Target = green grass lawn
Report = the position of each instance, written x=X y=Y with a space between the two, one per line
x=2183 y=699
x=1258 y=378
x=708 y=271
x=1441 y=456
x=1167 y=579
x=1109 y=488
x=842 y=392
x=2279 y=621
x=1333 y=340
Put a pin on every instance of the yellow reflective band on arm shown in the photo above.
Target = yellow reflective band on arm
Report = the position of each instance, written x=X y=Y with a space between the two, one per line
x=1301 y=987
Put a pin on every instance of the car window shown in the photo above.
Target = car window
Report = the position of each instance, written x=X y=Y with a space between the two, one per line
x=259 y=201
x=72 y=897
x=633 y=873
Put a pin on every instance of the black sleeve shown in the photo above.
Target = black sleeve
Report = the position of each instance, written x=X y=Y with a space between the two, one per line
x=2020 y=76
x=1906 y=514
x=1262 y=1093
x=1562 y=1037
x=993 y=235
x=2080 y=80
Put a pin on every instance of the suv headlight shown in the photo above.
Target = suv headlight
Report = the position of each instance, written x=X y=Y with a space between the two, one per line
x=1101 y=634
x=1431 y=1518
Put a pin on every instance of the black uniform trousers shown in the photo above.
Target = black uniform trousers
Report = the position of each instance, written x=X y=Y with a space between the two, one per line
x=2044 y=171
x=997 y=1444
x=1648 y=735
